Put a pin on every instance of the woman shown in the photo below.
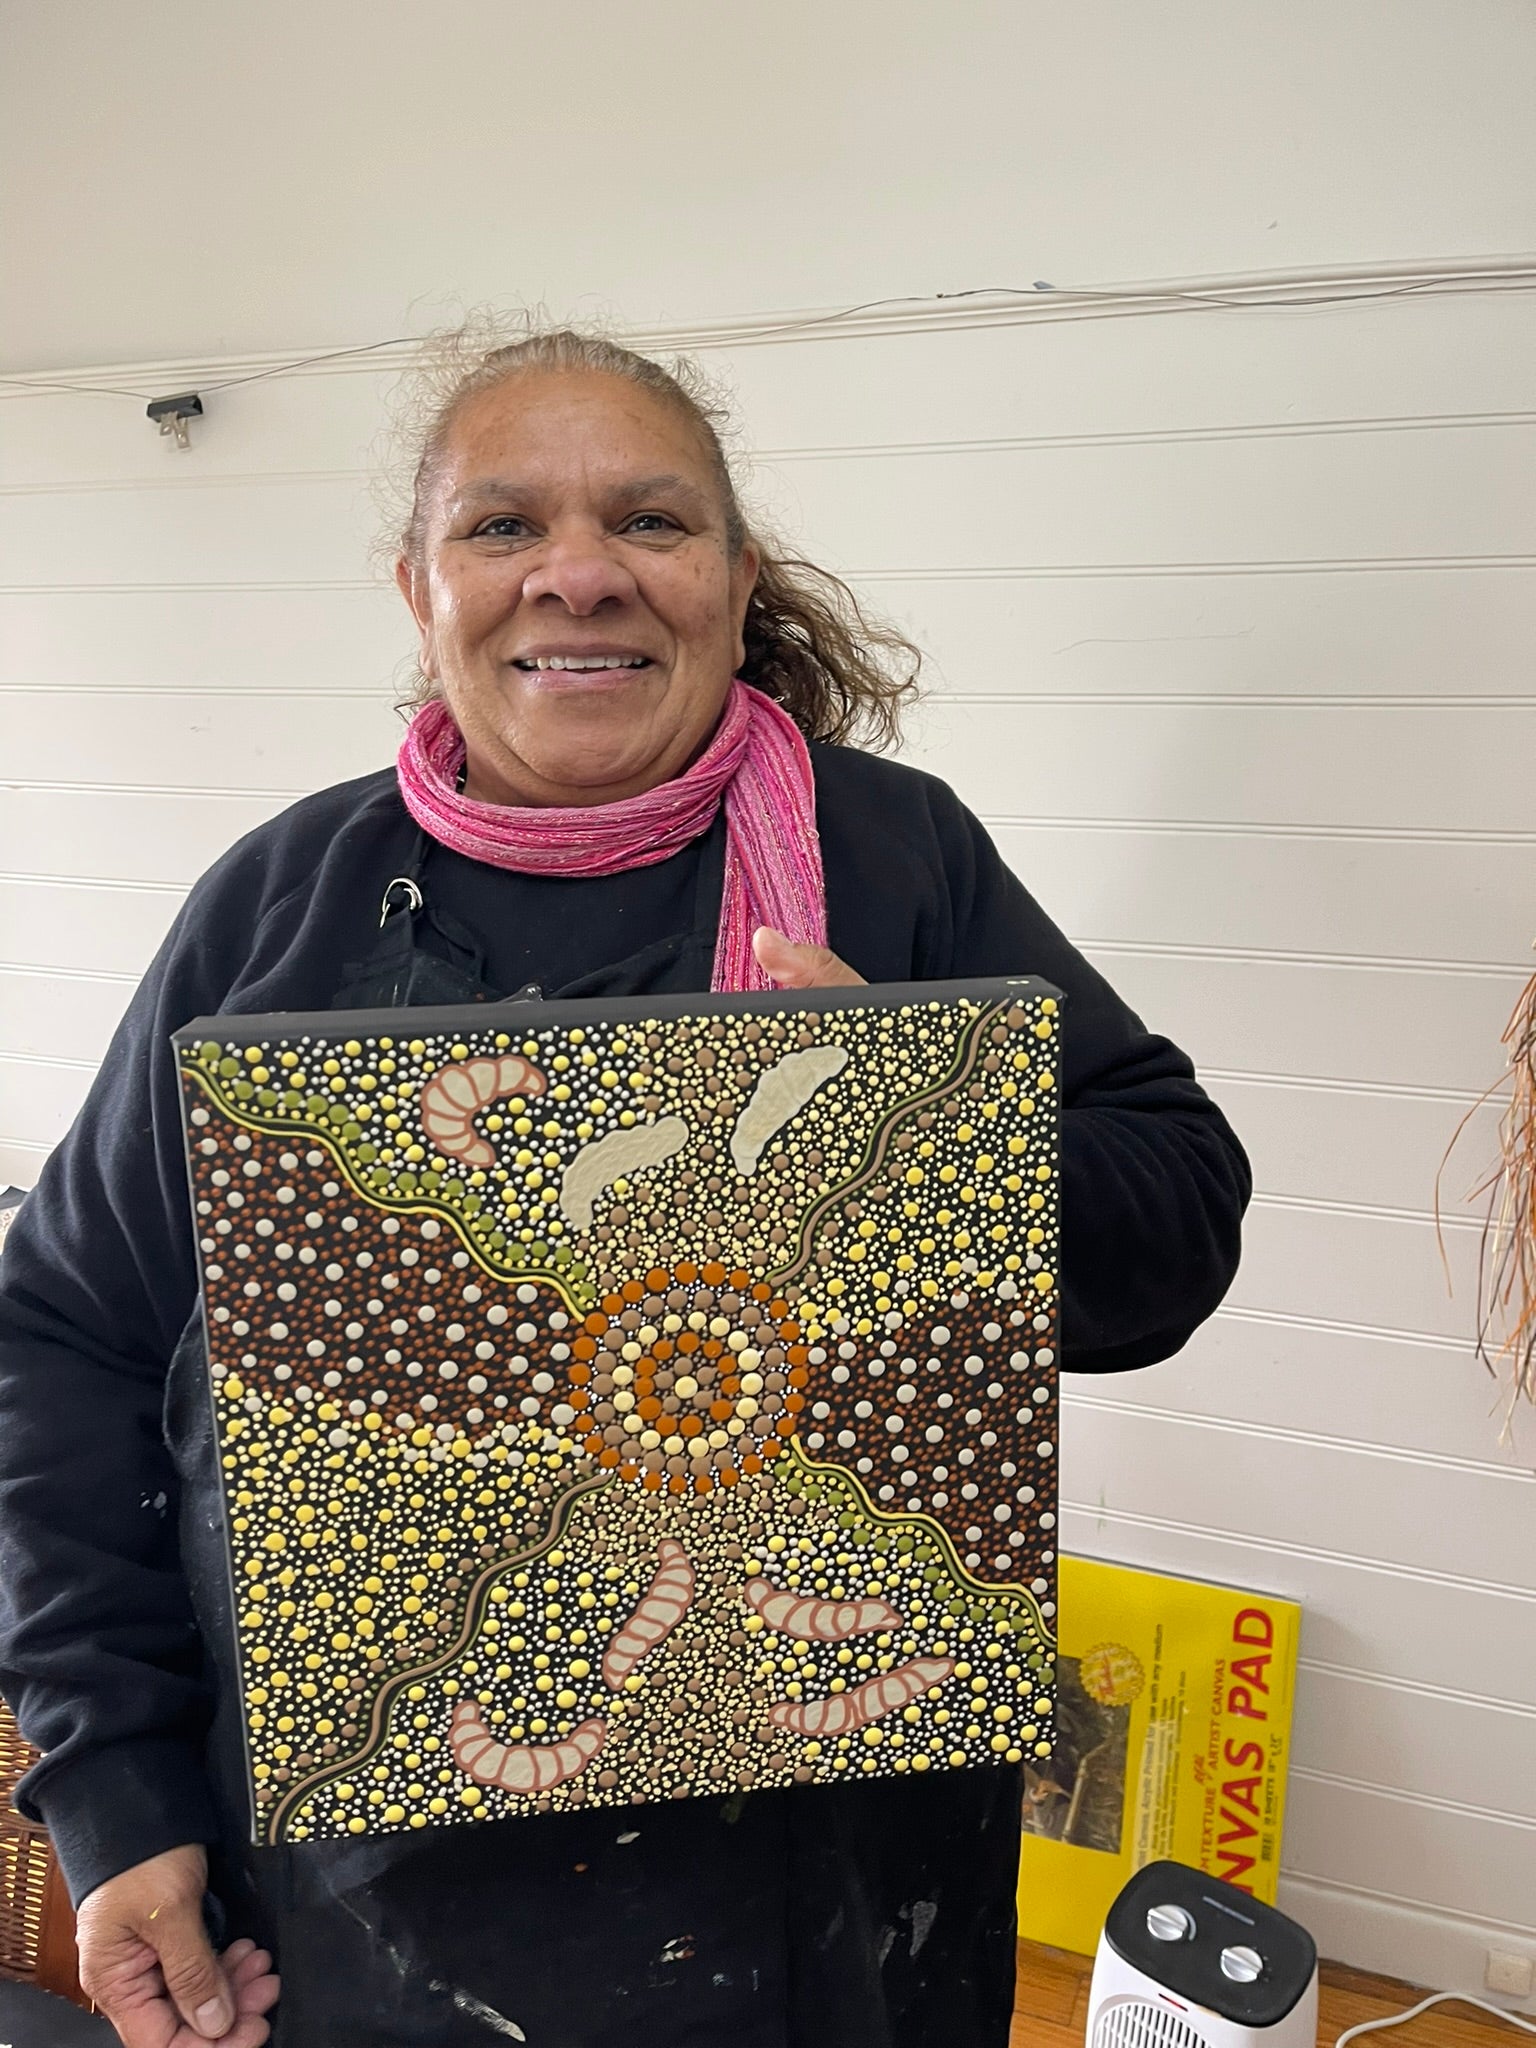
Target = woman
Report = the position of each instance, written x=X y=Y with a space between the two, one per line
x=590 y=803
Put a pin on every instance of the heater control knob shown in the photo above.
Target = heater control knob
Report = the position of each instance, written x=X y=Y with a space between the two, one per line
x=1170 y=1923
x=1242 y=1965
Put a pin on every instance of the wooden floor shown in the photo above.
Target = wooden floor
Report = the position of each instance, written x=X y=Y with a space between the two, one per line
x=1051 y=2007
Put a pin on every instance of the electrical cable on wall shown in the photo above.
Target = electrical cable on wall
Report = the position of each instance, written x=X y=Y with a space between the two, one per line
x=172 y=413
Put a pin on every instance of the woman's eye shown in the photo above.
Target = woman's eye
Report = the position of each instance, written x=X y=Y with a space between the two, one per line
x=505 y=526
x=658 y=522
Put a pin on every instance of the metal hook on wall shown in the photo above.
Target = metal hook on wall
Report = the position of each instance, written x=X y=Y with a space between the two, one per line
x=172 y=415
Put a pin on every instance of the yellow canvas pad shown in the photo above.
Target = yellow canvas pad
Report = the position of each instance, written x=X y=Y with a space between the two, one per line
x=1172 y=1737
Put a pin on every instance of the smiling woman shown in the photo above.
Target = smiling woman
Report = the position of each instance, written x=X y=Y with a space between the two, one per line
x=629 y=772
x=579 y=598
x=803 y=637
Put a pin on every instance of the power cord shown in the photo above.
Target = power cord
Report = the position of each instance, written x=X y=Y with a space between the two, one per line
x=1437 y=1998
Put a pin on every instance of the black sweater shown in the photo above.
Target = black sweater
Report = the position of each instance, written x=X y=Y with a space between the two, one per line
x=104 y=1497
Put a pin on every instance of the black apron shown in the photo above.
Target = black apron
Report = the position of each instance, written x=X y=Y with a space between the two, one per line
x=877 y=1914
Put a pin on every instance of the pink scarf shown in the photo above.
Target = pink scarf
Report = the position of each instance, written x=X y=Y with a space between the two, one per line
x=757 y=762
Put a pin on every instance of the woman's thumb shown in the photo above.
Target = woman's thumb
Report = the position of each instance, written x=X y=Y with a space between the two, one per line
x=795 y=966
x=192 y=1974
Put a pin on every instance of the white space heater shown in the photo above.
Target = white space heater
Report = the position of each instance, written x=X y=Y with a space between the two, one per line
x=1186 y=1961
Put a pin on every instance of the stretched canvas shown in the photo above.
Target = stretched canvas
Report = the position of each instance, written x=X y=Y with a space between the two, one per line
x=631 y=1400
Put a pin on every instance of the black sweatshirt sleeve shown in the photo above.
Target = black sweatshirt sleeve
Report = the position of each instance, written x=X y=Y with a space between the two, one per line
x=99 y=1653
x=1154 y=1182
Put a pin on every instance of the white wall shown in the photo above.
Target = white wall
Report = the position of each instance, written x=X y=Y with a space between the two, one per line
x=192 y=179
x=1231 y=615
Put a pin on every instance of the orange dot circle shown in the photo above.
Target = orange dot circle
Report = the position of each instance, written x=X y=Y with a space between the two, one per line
x=688 y=1351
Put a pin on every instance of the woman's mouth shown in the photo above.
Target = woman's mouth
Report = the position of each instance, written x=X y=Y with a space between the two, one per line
x=581 y=664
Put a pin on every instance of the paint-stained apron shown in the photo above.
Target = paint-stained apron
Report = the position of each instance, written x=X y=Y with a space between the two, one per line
x=871 y=1915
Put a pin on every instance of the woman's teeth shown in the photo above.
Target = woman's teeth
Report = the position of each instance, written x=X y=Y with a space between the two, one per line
x=575 y=661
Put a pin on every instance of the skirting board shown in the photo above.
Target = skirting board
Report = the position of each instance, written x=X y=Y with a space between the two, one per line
x=1395 y=1938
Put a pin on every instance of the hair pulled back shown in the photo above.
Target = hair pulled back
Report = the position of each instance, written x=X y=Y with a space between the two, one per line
x=840 y=673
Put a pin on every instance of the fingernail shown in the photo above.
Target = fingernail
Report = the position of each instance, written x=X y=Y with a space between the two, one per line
x=213 y=2018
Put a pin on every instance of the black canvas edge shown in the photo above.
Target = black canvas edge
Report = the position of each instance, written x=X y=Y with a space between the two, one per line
x=610 y=1009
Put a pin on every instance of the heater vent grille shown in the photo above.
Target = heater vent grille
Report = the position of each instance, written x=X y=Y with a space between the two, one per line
x=1138 y=2023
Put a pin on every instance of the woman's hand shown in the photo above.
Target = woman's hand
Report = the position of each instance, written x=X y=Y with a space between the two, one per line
x=145 y=1960
x=793 y=966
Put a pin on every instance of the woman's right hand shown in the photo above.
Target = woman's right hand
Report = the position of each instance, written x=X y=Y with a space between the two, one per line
x=146 y=1962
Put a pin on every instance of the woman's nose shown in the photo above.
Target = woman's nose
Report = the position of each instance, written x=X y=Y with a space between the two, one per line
x=581 y=572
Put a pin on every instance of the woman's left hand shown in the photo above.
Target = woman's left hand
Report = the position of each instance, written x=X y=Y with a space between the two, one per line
x=793 y=966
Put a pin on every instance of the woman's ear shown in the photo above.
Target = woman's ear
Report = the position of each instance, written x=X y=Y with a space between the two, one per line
x=411 y=582
x=744 y=582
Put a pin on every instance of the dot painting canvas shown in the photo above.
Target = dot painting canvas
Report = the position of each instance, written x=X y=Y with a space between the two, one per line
x=630 y=1400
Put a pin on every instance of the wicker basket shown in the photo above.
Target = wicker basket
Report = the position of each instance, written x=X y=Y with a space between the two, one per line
x=37 y=1927
x=24 y=1860
x=37 y=1922
x=24 y=1852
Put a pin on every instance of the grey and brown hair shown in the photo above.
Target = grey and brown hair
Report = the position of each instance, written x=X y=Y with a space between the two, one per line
x=840 y=672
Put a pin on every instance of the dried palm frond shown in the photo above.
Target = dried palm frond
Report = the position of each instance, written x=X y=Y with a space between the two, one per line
x=1506 y=1269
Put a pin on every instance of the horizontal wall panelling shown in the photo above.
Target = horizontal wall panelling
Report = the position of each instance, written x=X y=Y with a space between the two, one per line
x=1359 y=1389
x=1440 y=1518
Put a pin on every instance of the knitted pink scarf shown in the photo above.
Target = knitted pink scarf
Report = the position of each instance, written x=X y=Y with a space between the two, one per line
x=757 y=762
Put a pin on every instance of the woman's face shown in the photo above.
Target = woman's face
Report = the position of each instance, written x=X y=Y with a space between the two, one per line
x=576 y=521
